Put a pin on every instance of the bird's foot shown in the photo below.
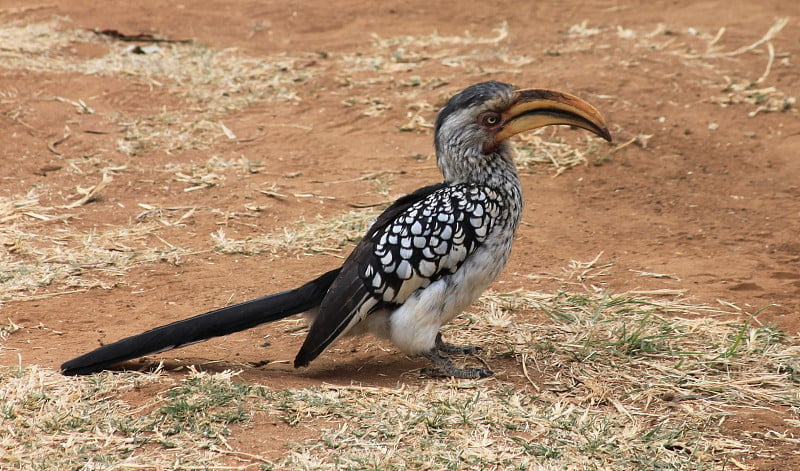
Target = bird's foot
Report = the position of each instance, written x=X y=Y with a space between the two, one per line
x=445 y=347
x=446 y=368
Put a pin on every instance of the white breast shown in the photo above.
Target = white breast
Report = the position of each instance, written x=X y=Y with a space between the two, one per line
x=413 y=326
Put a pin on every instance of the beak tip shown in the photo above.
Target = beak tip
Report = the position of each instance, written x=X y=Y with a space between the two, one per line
x=605 y=134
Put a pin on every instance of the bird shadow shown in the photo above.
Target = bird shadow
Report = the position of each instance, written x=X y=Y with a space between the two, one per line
x=374 y=371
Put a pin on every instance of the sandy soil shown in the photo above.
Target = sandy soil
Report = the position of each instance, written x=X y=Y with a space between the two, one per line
x=707 y=194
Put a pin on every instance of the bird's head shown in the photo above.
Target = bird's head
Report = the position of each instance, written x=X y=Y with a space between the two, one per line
x=475 y=124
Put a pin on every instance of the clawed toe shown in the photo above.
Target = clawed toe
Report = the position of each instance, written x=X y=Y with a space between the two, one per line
x=445 y=347
x=461 y=373
x=444 y=367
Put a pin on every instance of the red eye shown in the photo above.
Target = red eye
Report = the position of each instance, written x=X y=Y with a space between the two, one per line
x=490 y=119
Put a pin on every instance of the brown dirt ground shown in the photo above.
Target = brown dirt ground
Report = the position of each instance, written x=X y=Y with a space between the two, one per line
x=717 y=209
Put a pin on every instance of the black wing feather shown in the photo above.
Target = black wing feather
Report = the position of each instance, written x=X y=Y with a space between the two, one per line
x=344 y=301
x=348 y=293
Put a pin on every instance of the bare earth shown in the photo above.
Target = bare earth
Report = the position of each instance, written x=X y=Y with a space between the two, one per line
x=703 y=201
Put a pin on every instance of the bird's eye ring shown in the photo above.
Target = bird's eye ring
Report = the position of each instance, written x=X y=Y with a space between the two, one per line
x=490 y=119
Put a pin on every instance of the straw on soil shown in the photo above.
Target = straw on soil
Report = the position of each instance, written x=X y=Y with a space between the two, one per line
x=606 y=382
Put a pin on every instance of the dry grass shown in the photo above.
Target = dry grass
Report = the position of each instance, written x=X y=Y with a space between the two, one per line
x=403 y=53
x=217 y=81
x=42 y=249
x=765 y=99
x=607 y=382
x=211 y=82
x=704 y=52
x=210 y=173
x=50 y=422
x=553 y=152
x=324 y=235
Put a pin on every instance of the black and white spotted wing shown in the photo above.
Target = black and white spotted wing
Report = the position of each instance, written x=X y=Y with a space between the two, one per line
x=420 y=238
x=428 y=240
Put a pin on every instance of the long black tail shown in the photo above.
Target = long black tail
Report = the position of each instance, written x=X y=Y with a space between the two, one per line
x=204 y=326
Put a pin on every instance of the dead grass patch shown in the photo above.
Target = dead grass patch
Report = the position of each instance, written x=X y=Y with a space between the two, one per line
x=764 y=99
x=614 y=382
x=703 y=51
x=402 y=53
x=324 y=235
x=607 y=382
x=50 y=422
x=550 y=150
x=210 y=173
x=212 y=82
x=42 y=250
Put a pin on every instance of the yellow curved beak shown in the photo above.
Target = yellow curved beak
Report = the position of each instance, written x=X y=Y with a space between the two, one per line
x=535 y=108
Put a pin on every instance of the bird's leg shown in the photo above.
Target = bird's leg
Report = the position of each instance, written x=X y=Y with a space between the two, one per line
x=445 y=367
x=445 y=347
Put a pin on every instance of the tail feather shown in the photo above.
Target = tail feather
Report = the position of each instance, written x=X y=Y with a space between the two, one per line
x=202 y=327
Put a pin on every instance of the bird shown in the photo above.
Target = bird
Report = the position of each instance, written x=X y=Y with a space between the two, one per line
x=423 y=261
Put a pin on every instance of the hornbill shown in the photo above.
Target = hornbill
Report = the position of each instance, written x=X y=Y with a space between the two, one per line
x=425 y=259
